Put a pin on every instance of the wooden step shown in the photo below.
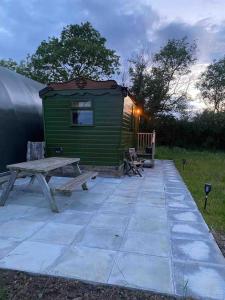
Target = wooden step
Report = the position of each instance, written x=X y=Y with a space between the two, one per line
x=73 y=183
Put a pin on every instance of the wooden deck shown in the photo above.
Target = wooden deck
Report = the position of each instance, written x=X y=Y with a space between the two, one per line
x=146 y=140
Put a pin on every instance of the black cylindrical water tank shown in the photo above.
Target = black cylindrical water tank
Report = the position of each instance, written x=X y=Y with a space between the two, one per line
x=20 y=116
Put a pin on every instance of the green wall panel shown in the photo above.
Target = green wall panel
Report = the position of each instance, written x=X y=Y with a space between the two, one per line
x=95 y=145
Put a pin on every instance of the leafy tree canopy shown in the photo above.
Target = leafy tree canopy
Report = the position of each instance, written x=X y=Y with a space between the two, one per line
x=12 y=65
x=157 y=83
x=138 y=75
x=80 y=51
x=212 y=85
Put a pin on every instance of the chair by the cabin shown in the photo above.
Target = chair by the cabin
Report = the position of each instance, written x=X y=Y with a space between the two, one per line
x=132 y=166
x=35 y=150
x=135 y=159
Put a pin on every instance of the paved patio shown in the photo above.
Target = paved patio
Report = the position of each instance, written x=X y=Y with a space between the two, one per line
x=143 y=233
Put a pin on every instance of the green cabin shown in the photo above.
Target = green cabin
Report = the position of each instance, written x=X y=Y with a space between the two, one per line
x=93 y=120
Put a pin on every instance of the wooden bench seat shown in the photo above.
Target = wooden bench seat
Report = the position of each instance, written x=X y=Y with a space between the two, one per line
x=4 y=179
x=73 y=183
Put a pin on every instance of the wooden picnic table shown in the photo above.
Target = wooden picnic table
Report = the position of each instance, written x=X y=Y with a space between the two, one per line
x=40 y=169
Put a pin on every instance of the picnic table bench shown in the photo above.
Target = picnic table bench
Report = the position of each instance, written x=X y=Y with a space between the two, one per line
x=4 y=177
x=41 y=170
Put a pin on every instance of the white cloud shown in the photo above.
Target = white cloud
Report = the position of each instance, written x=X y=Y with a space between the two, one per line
x=4 y=31
x=196 y=70
x=190 y=11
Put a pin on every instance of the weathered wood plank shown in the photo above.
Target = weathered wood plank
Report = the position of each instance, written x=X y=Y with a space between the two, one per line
x=35 y=150
x=5 y=174
x=43 y=165
x=8 y=188
x=80 y=180
x=4 y=179
x=76 y=169
x=47 y=192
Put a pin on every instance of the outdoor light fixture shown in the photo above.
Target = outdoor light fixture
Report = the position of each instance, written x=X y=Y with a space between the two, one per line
x=58 y=150
x=208 y=188
x=138 y=111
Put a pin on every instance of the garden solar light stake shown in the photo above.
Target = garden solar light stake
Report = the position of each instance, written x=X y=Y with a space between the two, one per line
x=208 y=188
x=184 y=162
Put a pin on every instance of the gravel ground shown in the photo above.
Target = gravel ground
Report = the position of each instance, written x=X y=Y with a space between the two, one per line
x=220 y=238
x=19 y=285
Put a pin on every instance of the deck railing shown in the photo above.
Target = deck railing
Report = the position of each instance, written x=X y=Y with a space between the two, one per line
x=145 y=140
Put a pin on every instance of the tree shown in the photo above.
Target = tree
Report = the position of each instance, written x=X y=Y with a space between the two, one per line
x=22 y=67
x=212 y=85
x=138 y=73
x=162 y=84
x=9 y=64
x=80 y=51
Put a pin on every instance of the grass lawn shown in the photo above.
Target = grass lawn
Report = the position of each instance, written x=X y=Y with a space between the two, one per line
x=202 y=167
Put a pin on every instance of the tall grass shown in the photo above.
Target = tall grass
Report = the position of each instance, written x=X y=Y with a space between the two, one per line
x=202 y=167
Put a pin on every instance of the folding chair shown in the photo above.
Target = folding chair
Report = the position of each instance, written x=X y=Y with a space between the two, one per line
x=35 y=150
x=135 y=160
x=131 y=167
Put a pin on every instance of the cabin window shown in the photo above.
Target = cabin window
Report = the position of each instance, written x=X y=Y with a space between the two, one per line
x=82 y=117
x=81 y=104
x=82 y=113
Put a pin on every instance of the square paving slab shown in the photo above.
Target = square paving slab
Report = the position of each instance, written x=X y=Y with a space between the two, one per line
x=102 y=238
x=146 y=243
x=73 y=217
x=200 y=280
x=142 y=271
x=7 y=246
x=85 y=263
x=141 y=232
x=32 y=257
x=12 y=212
x=19 y=229
x=197 y=250
x=194 y=231
x=142 y=223
x=187 y=216
x=57 y=233
x=109 y=220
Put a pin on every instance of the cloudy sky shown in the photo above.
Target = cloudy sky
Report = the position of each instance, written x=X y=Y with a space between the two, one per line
x=127 y=24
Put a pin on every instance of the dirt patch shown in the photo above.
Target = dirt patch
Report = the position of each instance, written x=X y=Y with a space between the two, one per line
x=19 y=285
x=220 y=239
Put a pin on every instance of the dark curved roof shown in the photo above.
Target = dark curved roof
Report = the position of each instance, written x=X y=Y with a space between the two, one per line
x=80 y=83
x=20 y=115
x=86 y=84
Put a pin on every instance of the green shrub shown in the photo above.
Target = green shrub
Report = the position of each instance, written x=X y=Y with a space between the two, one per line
x=204 y=131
